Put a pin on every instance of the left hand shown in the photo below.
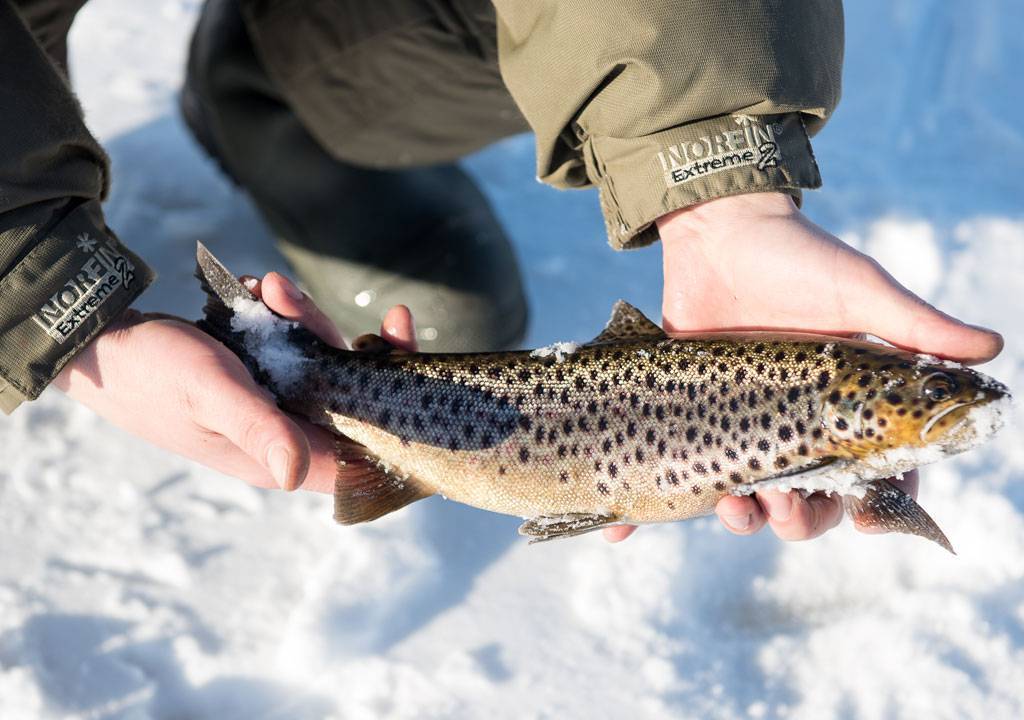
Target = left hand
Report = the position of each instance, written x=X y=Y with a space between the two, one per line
x=754 y=262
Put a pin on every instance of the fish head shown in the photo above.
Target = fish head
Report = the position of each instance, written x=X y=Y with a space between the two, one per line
x=891 y=400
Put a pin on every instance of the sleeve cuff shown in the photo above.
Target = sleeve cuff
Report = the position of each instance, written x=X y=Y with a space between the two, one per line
x=56 y=298
x=641 y=179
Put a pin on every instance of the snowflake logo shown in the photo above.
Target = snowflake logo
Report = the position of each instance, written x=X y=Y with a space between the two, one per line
x=85 y=243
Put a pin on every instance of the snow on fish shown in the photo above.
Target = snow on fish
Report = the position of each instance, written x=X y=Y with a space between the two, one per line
x=632 y=427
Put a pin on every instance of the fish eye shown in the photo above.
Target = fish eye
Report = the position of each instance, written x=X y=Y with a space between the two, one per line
x=939 y=387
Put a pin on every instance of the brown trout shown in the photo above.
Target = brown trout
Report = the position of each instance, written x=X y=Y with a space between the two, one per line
x=632 y=427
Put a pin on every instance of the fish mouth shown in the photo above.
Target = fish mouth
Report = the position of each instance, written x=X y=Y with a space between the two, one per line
x=929 y=426
x=974 y=422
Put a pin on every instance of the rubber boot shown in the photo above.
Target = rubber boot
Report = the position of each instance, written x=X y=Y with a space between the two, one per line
x=359 y=240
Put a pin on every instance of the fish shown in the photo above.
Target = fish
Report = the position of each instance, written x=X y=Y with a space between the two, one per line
x=632 y=427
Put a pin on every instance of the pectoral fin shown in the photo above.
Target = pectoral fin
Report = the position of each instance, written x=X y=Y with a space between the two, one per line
x=549 y=527
x=886 y=506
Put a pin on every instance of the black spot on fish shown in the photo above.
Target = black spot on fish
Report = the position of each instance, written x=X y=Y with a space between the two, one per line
x=816 y=433
x=524 y=454
x=602 y=488
x=602 y=424
x=793 y=394
x=661 y=448
x=672 y=477
x=766 y=421
x=700 y=469
x=785 y=432
x=736 y=477
x=745 y=424
x=894 y=398
x=563 y=476
x=834 y=397
x=781 y=462
x=613 y=470
x=695 y=489
x=763 y=445
x=754 y=464
x=631 y=429
x=841 y=424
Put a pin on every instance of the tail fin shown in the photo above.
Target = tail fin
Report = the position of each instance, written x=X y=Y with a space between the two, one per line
x=222 y=288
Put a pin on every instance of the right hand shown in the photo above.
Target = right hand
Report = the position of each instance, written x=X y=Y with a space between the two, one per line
x=169 y=383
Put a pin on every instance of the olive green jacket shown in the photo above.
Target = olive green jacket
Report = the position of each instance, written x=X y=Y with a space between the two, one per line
x=658 y=104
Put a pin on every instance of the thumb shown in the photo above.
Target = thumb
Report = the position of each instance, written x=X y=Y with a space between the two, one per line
x=882 y=306
x=232 y=405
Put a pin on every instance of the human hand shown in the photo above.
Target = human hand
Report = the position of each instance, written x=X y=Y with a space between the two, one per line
x=167 y=382
x=755 y=262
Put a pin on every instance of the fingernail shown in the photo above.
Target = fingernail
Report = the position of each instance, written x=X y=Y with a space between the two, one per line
x=778 y=505
x=278 y=459
x=737 y=522
x=290 y=290
x=249 y=282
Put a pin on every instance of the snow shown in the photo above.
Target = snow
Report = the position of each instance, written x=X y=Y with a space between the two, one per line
x=138 y=585
x=561 y=350
x=266 y=339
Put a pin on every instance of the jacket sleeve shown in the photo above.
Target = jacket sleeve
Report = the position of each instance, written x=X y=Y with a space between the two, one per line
x=63 y=274
x=662 y=104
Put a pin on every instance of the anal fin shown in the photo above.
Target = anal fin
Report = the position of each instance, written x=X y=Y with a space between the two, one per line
x=549 y=527
x=886 y=506
x=365 y=488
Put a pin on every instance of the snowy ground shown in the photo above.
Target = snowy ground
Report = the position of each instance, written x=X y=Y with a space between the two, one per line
x=137 y=585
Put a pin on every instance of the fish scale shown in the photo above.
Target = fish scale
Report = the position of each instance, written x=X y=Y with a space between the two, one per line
x=632 y=427
x=648 y=432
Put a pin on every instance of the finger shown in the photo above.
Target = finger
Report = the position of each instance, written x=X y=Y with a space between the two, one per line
x=323 y=464
x=909 y=484
x=283 y=297
x=794 y=517
x=398 y=329
x=242 y=412
x=740 y=515
x=885 y=308
x=618 y=533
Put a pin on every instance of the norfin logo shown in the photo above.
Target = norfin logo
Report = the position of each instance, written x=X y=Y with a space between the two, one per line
x=102 y=274
x=751 y=144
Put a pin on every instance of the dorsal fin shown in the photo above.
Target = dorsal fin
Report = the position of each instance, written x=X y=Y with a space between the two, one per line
x=627 y=323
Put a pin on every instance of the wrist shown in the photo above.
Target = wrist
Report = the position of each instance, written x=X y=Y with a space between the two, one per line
x=696 y=220
x=85 y=363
